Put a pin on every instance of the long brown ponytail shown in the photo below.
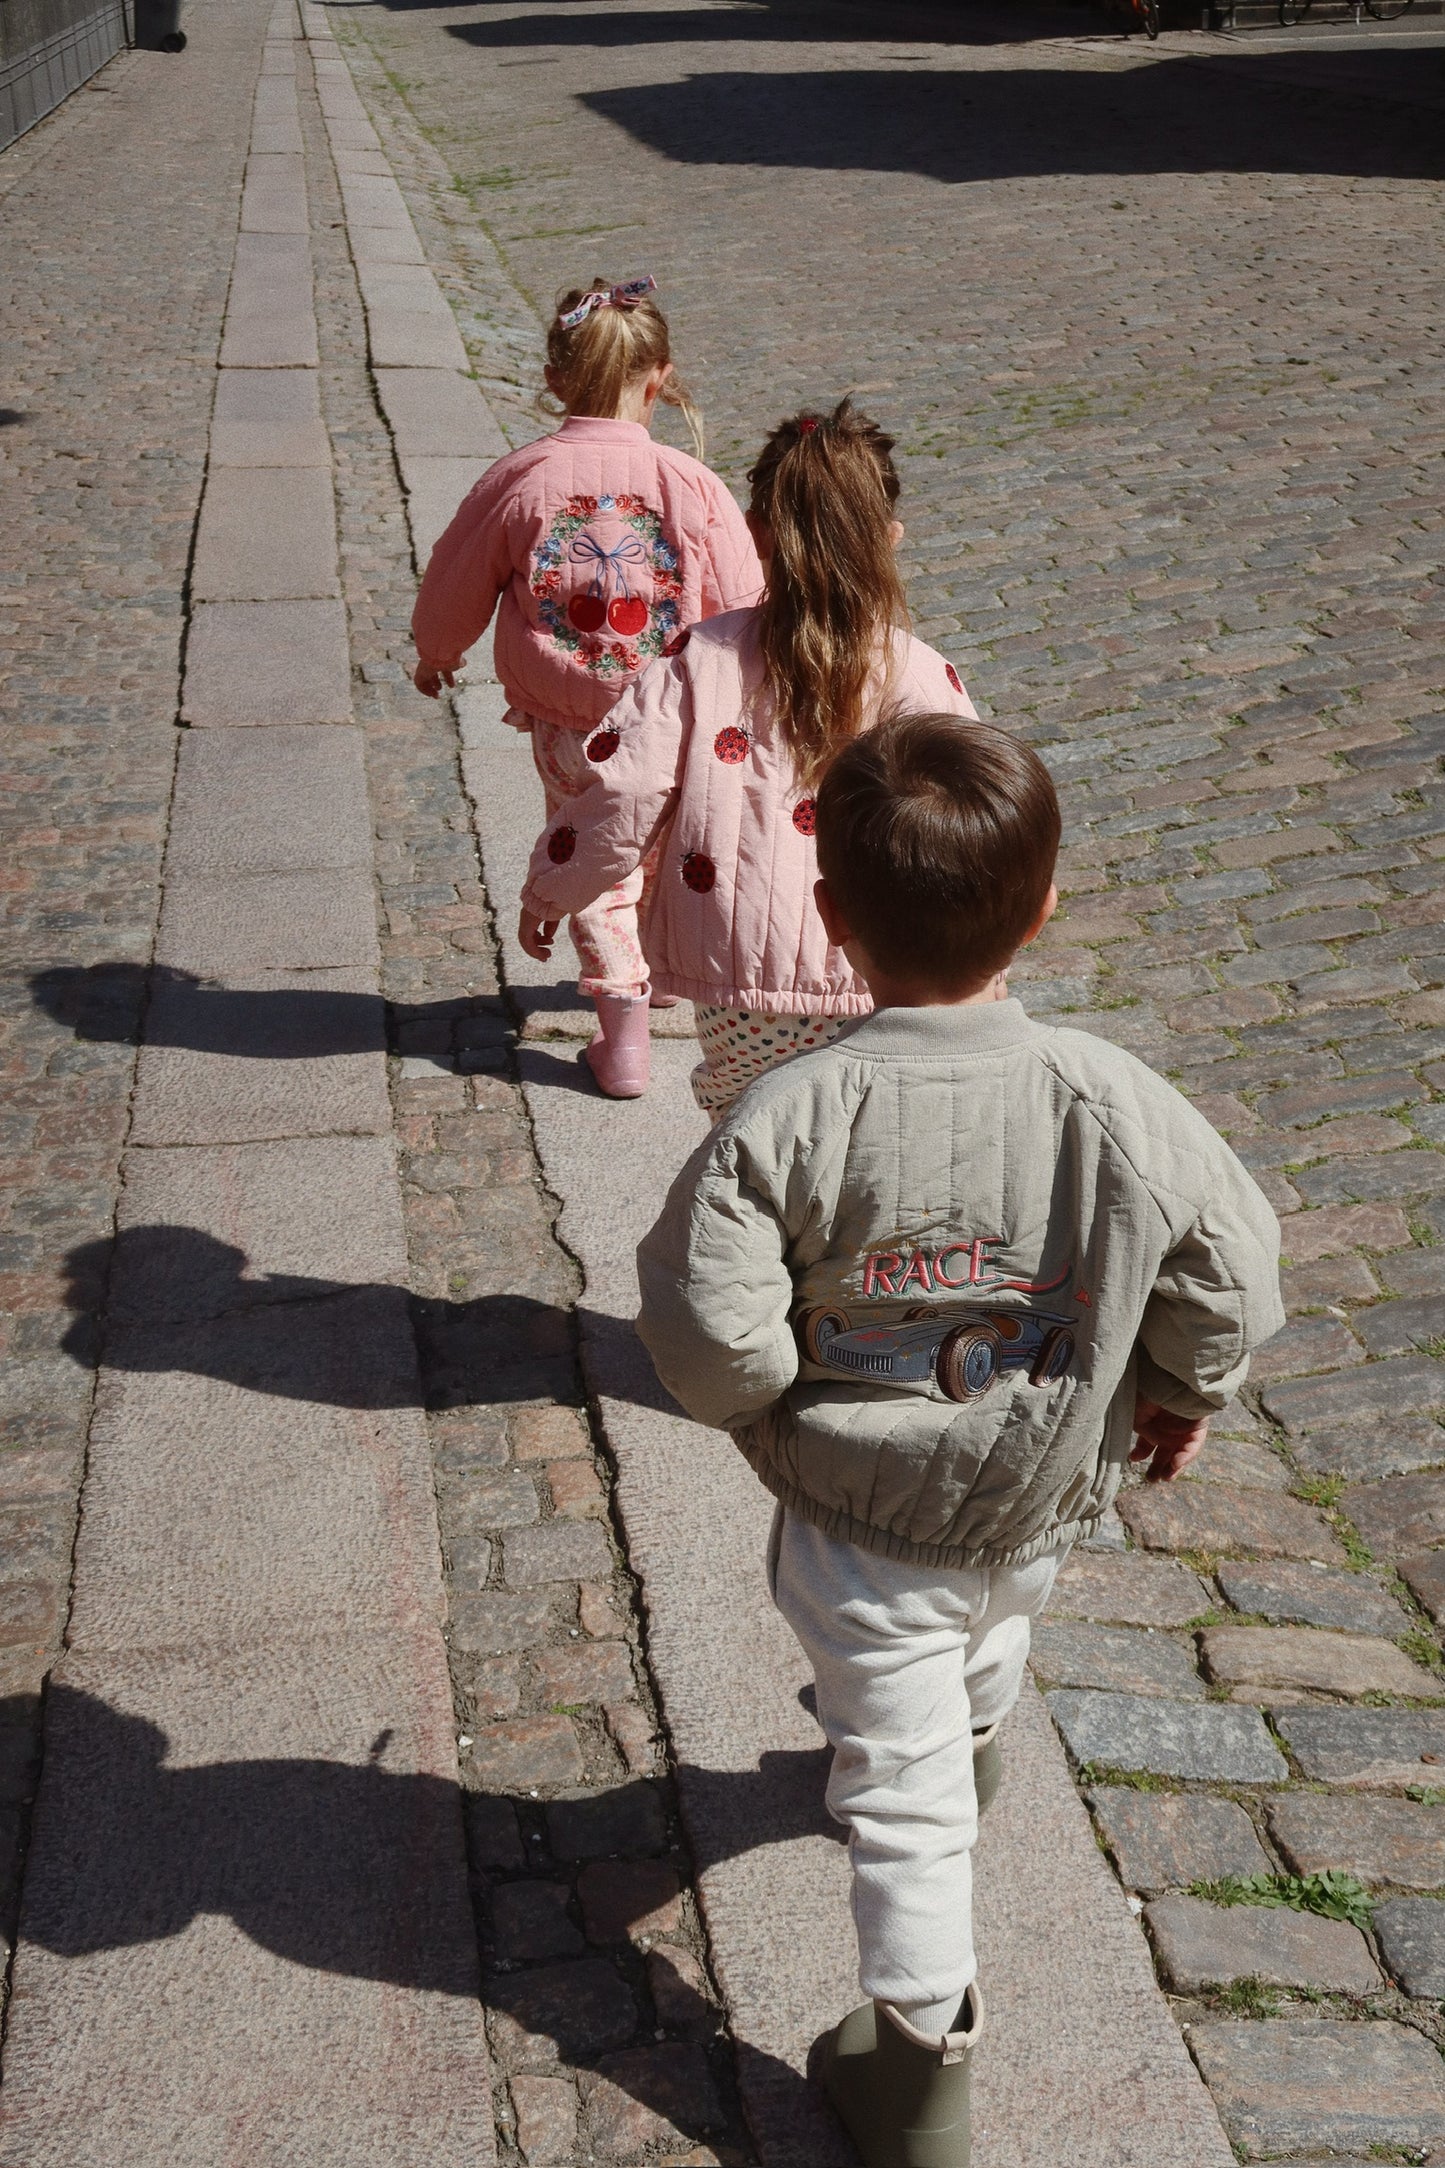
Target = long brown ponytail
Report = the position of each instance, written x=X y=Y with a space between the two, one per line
x=825 y=487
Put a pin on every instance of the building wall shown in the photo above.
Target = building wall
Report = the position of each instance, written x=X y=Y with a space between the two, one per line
x=48 y=48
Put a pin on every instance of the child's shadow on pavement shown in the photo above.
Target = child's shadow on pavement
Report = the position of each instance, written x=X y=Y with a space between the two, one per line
x=352 y=1869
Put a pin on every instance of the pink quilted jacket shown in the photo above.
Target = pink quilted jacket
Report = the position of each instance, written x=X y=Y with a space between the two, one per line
x=599 y=546
x=692 y=757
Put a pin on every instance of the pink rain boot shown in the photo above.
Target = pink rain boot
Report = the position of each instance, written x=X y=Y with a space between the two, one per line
x=620 y=1056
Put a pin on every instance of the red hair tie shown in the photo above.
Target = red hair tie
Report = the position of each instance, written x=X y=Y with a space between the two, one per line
x=807 y=425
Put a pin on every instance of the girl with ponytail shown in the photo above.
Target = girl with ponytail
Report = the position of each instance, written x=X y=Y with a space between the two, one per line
x=713 y=758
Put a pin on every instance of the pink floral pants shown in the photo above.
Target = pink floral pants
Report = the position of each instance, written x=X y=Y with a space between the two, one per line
x=605 y=934
x=740 y=1045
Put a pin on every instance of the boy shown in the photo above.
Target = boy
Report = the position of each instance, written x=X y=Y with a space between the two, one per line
x=933 y=1278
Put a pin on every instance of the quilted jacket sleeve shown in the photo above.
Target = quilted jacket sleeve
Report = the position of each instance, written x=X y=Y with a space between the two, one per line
x=716 y=1292
x=732 y=578
x=593 y=842
x=469 y=567
x=1216 y=1294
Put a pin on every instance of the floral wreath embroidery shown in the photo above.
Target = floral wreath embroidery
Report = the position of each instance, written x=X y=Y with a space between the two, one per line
x=608 y=628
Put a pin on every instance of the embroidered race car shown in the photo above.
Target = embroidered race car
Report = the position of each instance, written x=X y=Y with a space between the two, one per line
x=966 y=1351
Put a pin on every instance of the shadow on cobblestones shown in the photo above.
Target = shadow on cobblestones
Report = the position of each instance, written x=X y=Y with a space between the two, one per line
x=183 y=1301
x=105 y=1002
x=327 y=1865
x=1169 y=117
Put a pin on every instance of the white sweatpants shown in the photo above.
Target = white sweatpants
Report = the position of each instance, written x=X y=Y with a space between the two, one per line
x=908 y=1662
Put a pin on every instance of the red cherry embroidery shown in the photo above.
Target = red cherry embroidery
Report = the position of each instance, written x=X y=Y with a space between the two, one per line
x=731 y=746
x=627 y=614
x=676 y=645
x=561 y=844
x=603 y=746
x=805 y=816
x=587 y=612
x=698 y=872
x=953 y=677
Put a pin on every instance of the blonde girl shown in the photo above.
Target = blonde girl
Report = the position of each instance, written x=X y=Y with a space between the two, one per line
x=595 y=547
x=713 y=759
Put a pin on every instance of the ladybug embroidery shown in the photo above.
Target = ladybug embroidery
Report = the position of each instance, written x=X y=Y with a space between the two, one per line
x=698 y=872
x=561 y=844
x=675 y=647
x=731 y=746
x=805 y=816
x=603 y=746
x=953 y=677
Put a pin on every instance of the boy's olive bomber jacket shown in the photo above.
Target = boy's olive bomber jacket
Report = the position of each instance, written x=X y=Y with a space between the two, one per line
x=920 y=1274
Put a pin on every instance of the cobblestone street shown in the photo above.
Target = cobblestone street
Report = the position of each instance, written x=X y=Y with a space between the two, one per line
x=1159 y=331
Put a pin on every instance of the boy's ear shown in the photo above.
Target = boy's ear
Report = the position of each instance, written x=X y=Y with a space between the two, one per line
x=895 y=531
x=1051 y=904
x=835 y=926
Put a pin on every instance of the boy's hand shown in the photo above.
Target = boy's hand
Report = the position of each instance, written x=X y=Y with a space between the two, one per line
x=536 y=936
x=430 y=681
x=1168 y=1442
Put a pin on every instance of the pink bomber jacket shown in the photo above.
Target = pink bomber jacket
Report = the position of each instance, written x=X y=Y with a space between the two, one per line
x=596 y=547
x=691 y=757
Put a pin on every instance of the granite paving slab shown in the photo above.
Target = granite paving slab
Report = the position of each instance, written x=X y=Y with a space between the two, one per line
x=258 y=1475
x=434 y=490
x=270 y=322
x=1254 y=1658
x=254 y=1856
x=1225 y=1518
x=209 y=1231
x=1370 y=1748
x=289 y=800
x=370 y=201
x=274 y=198
x=251 y=663
x=1129 y=1660
x=1202 y=1945
x=1375 y=1392
x=385 y=244
x=438 y=415
x=268 y=418
x=1405 y=1513
x=286 y=1054
x=1292 y=1591
x=1167 y=1840
x=409 y=324
x=266 y=534
x=233 y=925
x=1411 y=1935
x=1166 y=1738
x=1130 y=1589
x=1424 y=1574
x=1296 y=2082
x=1387 y=1841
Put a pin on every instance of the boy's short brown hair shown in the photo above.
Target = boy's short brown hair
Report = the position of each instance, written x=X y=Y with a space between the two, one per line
x=937 y=838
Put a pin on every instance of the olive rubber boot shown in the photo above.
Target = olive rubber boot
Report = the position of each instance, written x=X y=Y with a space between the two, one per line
x=902 y=2097
x=987 y=1767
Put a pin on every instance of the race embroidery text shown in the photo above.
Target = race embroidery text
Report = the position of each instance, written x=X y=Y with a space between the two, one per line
x=957 y=1264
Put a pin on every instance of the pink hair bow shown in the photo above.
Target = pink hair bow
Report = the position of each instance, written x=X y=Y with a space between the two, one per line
x=625 y=296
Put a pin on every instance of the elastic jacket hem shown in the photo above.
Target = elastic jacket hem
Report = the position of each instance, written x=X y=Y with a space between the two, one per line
x=949 y=1557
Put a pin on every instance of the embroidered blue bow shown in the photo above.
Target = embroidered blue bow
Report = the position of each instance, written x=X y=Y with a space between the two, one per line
x=629 y=551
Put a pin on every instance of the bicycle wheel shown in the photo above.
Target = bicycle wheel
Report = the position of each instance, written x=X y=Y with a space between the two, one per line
x=1292 y=12
x=1149 y=16
x=1387 y=11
